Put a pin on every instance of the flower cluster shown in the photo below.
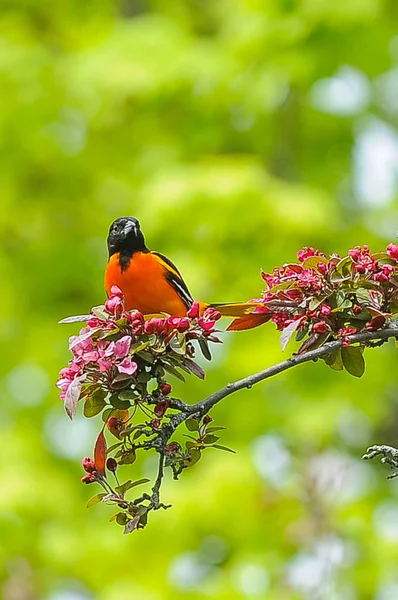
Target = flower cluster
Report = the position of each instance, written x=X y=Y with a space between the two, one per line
x=321 y=297
x=120 y=351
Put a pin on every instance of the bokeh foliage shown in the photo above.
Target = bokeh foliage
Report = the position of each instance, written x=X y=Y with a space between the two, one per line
x=236 y=131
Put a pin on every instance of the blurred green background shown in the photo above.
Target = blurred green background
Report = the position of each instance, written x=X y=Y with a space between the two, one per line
x=236 y=131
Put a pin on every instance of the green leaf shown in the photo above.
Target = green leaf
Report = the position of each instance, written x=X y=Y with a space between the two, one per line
x=139 y=482
x=192 y=425
x=173 y=371
x=127 y=458
x=219 y=447
x=178 y=344
x=190 y=445
x=312 y=262
x=99 y=311
x=214 y=428
x=94 y=403
x=118 y=403
x=334 y=361
x=106 y=414
x=353 y=360
x=113 y=447
x=95 y=500
x=195 y=456
x=344 y=266
x=129 y=484
x=345 y=304
x=138 y=346
x=204 y=346
x=300 y=335
x=121 y=518
x=210 y=439
x=315 y=302
x=127 y=395
x=122 y=489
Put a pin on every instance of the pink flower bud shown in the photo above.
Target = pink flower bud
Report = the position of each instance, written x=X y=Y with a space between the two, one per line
x=116 y=291
x=325 y=310
x=392 y=250
x=193 y=312
x=172 y=448
x=155 y=423
x=161 y=408
x=357 y=309
x=165 y=388
x=212 y=314
x=206 y=325
x=320 y=327
x=376 y=323
x=380 y=277
x=355 y=253
x=111 y=464
x=90 y=478
x=88 y=465
x=359 y=269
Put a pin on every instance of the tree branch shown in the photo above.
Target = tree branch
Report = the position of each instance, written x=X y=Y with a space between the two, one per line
x=204 y=406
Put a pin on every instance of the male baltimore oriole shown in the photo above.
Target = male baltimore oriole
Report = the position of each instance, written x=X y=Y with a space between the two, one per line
x=150 y=282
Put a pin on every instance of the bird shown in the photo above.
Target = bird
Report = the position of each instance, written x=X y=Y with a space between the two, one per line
x=149 y=281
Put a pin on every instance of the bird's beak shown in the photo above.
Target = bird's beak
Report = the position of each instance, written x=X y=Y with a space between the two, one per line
x=130 y=226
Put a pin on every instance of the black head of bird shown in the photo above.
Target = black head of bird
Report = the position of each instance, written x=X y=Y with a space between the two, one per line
x=125 y=236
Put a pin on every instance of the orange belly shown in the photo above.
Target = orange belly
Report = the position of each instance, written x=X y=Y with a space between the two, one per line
x=144 y=285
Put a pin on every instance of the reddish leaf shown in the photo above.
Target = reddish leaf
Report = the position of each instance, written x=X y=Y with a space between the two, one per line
x=100 y=454
x=249 y=321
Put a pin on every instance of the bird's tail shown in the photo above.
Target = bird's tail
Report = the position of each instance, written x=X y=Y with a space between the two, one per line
x=234 y=309
x=242 y=313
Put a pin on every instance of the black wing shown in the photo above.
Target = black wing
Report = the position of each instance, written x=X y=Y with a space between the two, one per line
x=174 y=276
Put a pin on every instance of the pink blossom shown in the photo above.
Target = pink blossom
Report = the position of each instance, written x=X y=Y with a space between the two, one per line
x=122 y=346
x=114 y=306
x=306 y=252
x=156 y=325
x=392 y=250
x=212 y=314
x=384 y=274
x=127 y=366
x=206 y=325
x=363 y=261
x=180 y=323
x=104 y=364
x=118 y=349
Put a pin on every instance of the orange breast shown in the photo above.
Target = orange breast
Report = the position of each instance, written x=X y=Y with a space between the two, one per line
x=144 y=285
